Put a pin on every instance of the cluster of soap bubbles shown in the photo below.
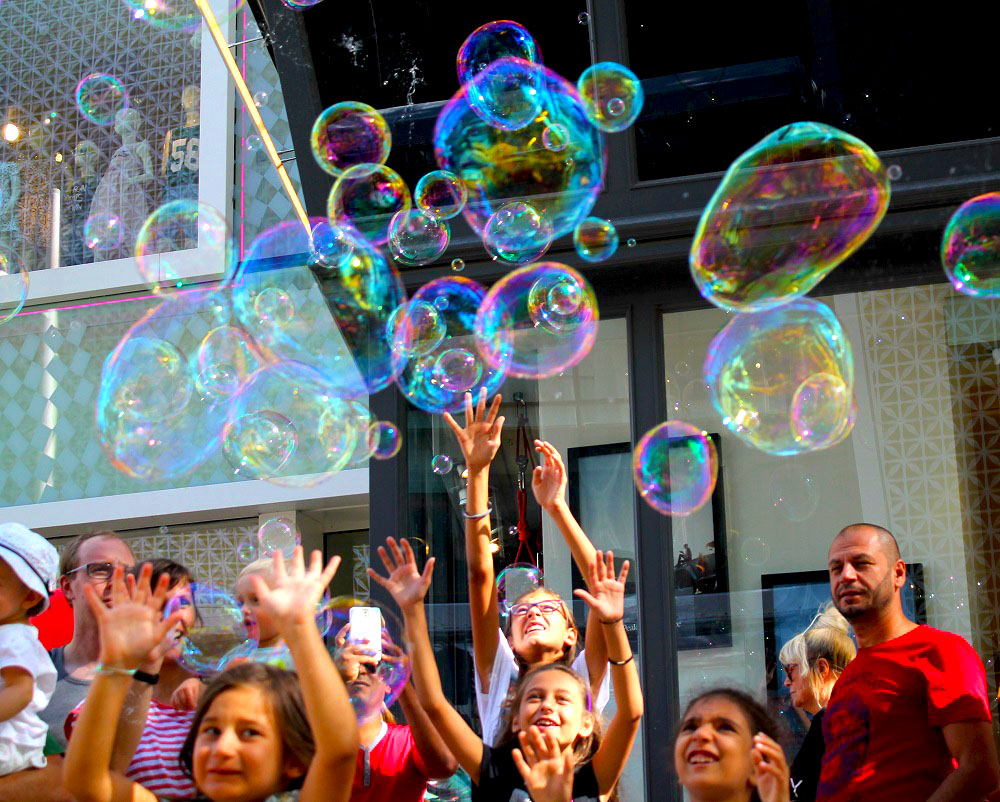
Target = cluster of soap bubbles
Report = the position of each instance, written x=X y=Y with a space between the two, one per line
x=99 y=97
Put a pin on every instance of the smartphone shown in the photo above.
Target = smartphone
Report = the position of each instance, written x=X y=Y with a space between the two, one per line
x=366 y=625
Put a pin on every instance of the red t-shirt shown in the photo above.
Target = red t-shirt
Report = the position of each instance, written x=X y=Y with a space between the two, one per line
x=55 y=625
x=390 y=770
x=883 y=725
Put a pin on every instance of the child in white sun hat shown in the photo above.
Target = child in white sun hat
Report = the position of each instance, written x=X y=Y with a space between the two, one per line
x=29 y=567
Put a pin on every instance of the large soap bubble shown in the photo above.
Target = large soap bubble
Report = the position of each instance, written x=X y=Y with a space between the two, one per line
x=595 y=239
x=153 y=419
x=289 y=425
x=776 y=377
x=179 y=15
x=441 y=194
x=417 y=237
x=970 y=249
x=340 y=306
x=515 y=581
x=365 y=197
x=14 y=283
x=180 y=225
x=217 y=632
x=425 y=328
x=491 y=42
x=537 y=321
x=787 y=212
x=675 y=466
x=612 y=94
x=381 y=676
x=499 y=167
x=517 y=233
x=507 y=94
x=437 y=379
x=99 y=97
x=347 y=134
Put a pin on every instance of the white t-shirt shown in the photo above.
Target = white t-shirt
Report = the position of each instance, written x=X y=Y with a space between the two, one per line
x=22 y=737
x=504 y=675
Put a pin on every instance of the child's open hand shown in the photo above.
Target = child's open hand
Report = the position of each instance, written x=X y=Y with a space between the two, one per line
x=296 y=591
x=548 y=481
x=188 y=694
x=132 y=630
x=480 y=439
x=547 y=770
x=405 y=584
x=770 y=769
x=607 y=594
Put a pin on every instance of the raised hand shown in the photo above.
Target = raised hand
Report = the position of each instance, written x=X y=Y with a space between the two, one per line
x=132 y=630
x=548 y=481
x=607 y=594
x=188 y=694
x=770 y=769
x=405 y=583
x=480 y=439
x=296 y=591
x=547 y=770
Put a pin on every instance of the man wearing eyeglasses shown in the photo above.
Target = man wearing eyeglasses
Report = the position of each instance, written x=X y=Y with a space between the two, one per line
x=89 y=560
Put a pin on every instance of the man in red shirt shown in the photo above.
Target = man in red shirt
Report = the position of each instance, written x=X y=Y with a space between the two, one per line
x=909 y=718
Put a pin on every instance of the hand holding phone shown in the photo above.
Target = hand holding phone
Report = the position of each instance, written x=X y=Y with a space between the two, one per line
x=366 y=627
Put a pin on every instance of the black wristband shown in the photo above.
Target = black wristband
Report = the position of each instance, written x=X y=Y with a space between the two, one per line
x=625 y=662
x=609 y=623
x=143 y=676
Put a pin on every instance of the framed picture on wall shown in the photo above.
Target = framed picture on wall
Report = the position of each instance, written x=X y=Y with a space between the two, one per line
x=602 y=497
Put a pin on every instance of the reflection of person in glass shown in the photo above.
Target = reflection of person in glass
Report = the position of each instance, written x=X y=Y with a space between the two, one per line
x=695 y=575
x=813 y=661
x=180 y=158
x=35 y=210
x=77 y=203
x=394 y=762
x=124 y=191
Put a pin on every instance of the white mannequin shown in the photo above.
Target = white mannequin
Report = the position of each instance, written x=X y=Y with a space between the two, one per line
x=77 y=200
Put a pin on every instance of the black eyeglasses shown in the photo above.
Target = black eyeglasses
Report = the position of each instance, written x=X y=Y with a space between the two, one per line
x=100 y=571
x=547 y=607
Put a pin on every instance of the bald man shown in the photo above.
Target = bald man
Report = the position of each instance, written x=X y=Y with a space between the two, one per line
x=909 y=718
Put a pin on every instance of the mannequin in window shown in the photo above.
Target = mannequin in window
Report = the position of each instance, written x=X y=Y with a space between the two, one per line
x=76 y=204
x=125 y=190
x=34 y=212
x=10 y=194
x=180 y=157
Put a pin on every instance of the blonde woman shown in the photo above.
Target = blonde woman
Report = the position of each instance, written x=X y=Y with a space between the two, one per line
x=813 y=661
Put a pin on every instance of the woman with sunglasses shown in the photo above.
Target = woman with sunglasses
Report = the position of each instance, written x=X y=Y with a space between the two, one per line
x=542 y=629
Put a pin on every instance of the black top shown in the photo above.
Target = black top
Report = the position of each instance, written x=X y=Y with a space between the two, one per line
x=500 y=781
x=806 y=766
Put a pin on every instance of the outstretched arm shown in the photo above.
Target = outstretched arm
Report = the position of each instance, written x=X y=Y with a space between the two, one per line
x=547 y=770
x=607 y=600
x=548 y=482
x=434 y=754
x=480 y=441
x=19 y=687
x=129 y=630
x=408 y=588
x=291 y=604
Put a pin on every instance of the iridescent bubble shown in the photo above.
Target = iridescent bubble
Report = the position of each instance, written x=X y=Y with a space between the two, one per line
x=157 y=383
x=176 y=226
x=253 y=143
x=517 y=233
x=675 y=466
x=419 y=381
x=323 y=424
x=260 y=98
x=278 y=534
x=555 y=137
x=583 y=18
x=341 y=310
x=630 y=242
x=500 y=167
x=970 y=248
x=595 y=239
x=388 y=675
x=755 y=551
x=507 y=94
x=216 y=628
x=756 y=365
x=612 y=94
x=417 y=237
x=416 y=328
x=223 y=361
x=457 y=370
x=330 y=246
x=365 y=197
x=300 y=4
x=515 y=581
x=787 y=212
x=349 y=134
x=441 y=464
x=491 y=42
x=537 y=321
x=441 y=194
x=894 y=172
x=384 y=439
x=821 y=411
x=274 y=307
x=179 y=15
x=458 y=265
x=103 y=232
x=259 y=443
x=794 y=493
x=246 y=551
x=15 y=283
x=100 y=96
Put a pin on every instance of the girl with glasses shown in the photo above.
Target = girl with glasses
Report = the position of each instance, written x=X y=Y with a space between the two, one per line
x=538 y=635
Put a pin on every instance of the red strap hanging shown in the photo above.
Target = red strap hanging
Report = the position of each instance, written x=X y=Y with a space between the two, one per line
x=525 y=457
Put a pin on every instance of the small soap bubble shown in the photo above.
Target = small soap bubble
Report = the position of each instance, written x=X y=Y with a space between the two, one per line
x=516 y=580
x=493 y=41
x=517 y=233
x=595 y=239
x=755 y=551
x=253 y=143
x=457 y=370
x=103 y=232
x=441 y=303
x=970 y=248
x=215 y=628
x=365 y=197
x=794 y=493
x=260 y=98
x=507 y=94
x=259 y=443
x=441 y=464
x=612 y=95
x=385 y=439
x=616 y=107
x=583 y=18
x=274 y=306
x=555 y=137
x=675 y=466
x=458 y=265
x=278 y=534
x=441 y=194
x=895 y=172
x=246 y=551
x=330 y=246
x=630 y=242
x=417 y=237
x=99 y=97
x=349 y=134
